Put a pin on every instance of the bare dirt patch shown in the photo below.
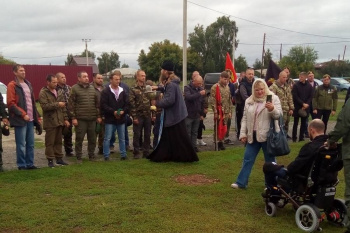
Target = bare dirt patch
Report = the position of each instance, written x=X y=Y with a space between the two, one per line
x=195 y=179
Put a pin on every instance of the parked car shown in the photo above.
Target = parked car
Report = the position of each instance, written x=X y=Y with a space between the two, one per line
x=211 y=78
x=3 y=91
x=319 y=82
x=340 y=83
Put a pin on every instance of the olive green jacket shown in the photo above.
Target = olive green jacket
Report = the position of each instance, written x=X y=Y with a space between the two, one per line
x=325 y=98
x=53 y=115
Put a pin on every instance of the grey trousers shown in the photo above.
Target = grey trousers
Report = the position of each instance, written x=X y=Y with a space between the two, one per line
x=192 y=130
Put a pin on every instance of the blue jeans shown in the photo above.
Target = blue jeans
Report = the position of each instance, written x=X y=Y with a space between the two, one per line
x=111 y=144
x=250 y=154
x=24 y=137
x=109 y=131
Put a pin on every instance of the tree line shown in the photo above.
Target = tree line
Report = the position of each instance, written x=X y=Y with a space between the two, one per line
x=207 y=52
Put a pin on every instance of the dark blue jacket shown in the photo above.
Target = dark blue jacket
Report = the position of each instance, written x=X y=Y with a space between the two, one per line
x=302 y=93
x=173 y=104
x=194 y=101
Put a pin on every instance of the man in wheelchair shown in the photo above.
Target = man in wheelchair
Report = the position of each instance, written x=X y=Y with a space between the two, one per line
x=308 y=182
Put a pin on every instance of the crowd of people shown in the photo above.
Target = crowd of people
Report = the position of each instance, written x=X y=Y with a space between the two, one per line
x=99 y=110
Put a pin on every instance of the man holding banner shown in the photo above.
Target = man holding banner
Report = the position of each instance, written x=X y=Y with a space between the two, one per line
x=220 y=101
x=233 y=78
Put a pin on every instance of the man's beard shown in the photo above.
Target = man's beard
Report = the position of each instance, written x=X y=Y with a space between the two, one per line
x=163 y=77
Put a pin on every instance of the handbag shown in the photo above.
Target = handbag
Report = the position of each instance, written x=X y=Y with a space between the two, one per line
x=277 y=144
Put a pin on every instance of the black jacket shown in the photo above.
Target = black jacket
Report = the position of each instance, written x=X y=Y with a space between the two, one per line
x=194 y=101
x=109 y=104
x=303 y=162
x=302 y=93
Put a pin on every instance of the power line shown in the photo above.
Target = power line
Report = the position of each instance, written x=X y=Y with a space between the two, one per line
x=265 y=25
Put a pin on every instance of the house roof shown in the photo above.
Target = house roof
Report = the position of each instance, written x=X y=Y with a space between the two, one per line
x=126 y=72
x=81 y=61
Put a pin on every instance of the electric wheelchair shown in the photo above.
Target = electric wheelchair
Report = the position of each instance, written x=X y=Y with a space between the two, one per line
x=313 y=197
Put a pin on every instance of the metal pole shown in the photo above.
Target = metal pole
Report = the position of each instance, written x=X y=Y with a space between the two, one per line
x=234 y=46
x=184 y=46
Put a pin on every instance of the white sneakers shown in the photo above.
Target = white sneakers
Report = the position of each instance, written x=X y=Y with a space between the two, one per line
x=234 y=186
x=200 y=142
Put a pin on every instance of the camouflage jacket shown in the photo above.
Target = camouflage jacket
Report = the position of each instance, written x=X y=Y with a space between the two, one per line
x=139 y=102
x=225 y=98
x=65 y=92
x=284 y=93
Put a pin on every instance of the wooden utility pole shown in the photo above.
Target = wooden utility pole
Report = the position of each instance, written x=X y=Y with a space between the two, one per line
x=262 y=56
x=344 y=52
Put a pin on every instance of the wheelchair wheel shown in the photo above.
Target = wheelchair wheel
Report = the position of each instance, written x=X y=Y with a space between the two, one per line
x=338 y=213
x=307 y=217
x=270 y=209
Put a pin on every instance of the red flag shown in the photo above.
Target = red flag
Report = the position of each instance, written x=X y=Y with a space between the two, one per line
x=229 y=66
x=221 y=127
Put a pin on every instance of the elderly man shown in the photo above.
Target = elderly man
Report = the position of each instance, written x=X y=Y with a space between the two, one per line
x=284 y=93
x=55 y=118
x=226 y=104
x=85 y=112
x=194 y=99
x=302 y=96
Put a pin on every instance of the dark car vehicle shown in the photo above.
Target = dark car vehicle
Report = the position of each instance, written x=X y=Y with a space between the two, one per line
x=340 y=83
x=209 y=80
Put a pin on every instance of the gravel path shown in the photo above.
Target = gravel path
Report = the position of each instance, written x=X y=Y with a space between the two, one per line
x=9 y=146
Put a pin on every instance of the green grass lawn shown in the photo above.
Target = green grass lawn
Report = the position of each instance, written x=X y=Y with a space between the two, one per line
x=141 y=196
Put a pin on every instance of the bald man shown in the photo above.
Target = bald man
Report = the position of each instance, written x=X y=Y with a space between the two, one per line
x=284 y=93
x=303 y=162
x=194 y=100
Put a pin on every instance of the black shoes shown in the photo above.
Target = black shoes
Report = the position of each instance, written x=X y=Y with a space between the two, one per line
x=221 y=146
x=50 y=163
x=123 y=158
x=61 y=162
x=196 y=149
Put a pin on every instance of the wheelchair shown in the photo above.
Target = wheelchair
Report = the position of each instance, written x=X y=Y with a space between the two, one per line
x=312 y=197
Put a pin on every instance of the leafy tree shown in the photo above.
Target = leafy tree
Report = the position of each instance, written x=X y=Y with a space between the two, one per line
x=90 y=54
x=212 y=43
x=5 y=61
x=257 y=64
x=165 y=50
x=267 y=58
x=125 y=65
x=158 y=52
x=108 y=62
x=299 y=59
x=336 y=68
x=69 y=59
x=240 y=64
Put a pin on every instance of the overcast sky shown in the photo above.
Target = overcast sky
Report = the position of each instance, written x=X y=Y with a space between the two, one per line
x=44 y=32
